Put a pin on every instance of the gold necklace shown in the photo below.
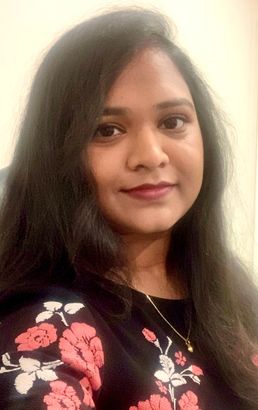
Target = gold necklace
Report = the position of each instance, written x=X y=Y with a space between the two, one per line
x=185 y=339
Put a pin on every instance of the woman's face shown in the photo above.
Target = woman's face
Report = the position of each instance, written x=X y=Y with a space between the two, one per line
x=147 y=155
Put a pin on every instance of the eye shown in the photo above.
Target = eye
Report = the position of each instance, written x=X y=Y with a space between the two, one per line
x=107 y=131
x=174 y=122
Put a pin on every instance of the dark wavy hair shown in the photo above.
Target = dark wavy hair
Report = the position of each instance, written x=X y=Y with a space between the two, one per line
x=50 y=223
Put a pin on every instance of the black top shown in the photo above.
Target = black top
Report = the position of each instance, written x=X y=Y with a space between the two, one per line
x=82 y=349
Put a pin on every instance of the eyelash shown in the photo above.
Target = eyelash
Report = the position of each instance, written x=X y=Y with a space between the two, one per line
x=113 y=126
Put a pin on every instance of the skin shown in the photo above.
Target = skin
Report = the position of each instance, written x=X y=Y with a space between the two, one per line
x=145 y=145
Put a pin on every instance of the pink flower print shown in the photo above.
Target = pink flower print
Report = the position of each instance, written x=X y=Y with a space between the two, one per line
x=161 y=387
x=81 y=348
x=180 y=359
x=197 y=371
x=87 y=390
x=254 y=359
x=189 y=401
x=36 y=337
x=156 y=402
x=62 y=397
x=149 y=335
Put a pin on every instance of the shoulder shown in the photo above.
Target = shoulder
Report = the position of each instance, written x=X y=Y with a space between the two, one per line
x=49 y=346
x=51 y=307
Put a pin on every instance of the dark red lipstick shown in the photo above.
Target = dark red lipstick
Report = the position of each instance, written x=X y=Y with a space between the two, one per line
x=150 y=191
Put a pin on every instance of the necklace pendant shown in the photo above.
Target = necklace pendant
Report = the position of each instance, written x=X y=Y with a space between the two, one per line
x=189 y=346
x=186 y=340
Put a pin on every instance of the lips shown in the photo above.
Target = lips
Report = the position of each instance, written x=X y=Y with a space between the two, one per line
x=149 y=186
x=150 y=191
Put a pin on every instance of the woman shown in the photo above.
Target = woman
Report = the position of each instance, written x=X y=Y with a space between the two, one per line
x=118 y=288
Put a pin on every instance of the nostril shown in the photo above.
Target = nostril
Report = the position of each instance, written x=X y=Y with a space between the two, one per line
x=148 y=163
x=147 y=156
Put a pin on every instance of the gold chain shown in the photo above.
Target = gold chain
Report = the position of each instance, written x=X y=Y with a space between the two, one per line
x=185 y=339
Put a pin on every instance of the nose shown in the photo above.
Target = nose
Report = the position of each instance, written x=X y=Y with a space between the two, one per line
x=146 y=150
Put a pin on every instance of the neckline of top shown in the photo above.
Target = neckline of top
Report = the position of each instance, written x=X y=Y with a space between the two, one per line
x=109 y=284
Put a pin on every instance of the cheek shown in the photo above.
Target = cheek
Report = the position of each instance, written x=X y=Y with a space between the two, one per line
x=104 y=171
x=188 y=159
x=190 y=165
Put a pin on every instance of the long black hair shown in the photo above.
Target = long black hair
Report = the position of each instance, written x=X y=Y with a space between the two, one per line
x=50 y=222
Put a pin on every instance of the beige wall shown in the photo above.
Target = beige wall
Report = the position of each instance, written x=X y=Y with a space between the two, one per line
x=220 y=35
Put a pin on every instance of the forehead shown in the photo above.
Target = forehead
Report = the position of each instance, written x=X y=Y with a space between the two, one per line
x=150 y=74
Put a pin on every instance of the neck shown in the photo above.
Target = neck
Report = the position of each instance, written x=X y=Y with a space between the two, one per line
x=146 y=258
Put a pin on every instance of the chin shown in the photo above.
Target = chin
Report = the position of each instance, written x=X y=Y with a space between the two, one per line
x=146 y=223
x=150 y=227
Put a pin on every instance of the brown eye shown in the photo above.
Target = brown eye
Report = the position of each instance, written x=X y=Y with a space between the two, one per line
x=107 y=130
x=174 y=123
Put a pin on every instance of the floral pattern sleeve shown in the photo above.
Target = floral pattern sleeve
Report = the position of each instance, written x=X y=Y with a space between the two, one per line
x=51 y=357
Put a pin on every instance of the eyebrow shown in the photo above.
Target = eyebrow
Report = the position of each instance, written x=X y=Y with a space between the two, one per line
x=160 y=106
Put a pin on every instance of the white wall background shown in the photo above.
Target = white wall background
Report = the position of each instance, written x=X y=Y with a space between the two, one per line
x=220 y=35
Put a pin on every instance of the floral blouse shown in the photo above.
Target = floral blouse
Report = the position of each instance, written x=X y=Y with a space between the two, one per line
x=78 y=349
